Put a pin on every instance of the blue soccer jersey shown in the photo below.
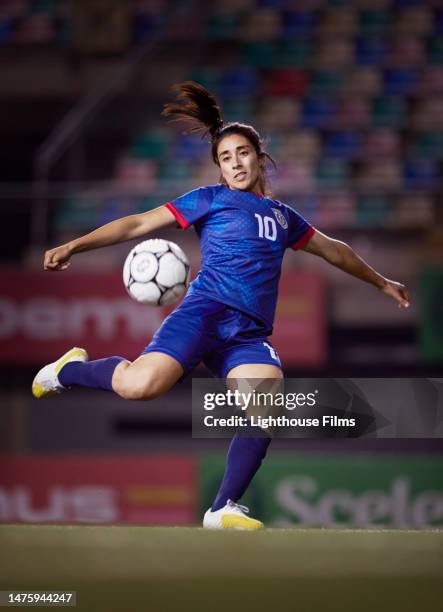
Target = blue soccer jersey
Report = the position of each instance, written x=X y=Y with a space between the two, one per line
x=243 y=238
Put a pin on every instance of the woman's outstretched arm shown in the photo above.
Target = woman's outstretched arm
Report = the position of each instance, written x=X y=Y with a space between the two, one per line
x=120 y=230
x=340 y=255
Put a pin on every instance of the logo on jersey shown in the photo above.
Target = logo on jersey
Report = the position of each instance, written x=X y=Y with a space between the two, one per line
x=272 y=351
x=280 y=218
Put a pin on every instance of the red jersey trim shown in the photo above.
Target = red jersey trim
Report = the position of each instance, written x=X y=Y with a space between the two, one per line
x=301 y=242
x=177 y=214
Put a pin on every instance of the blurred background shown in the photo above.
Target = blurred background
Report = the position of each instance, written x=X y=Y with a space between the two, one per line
x=349 y=96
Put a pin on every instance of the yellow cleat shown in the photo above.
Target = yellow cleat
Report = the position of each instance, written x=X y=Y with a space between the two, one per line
x=46 y=382
x=231 y=516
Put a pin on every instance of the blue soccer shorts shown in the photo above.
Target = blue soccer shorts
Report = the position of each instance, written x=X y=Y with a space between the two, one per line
x=201 y=330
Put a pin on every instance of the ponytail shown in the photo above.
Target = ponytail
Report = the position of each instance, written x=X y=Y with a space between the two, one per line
x=197 y=107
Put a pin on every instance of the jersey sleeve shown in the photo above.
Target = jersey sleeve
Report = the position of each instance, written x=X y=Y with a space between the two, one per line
x=299 y=230
x=192 y=206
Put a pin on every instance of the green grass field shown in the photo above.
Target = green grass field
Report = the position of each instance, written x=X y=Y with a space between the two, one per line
x=137 y=569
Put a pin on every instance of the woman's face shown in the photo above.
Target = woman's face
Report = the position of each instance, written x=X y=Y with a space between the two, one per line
x=239 y=163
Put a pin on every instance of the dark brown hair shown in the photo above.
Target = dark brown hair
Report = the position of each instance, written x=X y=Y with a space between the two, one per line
x=197 y=107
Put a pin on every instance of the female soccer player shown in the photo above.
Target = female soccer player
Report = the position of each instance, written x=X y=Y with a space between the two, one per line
x=228 y=312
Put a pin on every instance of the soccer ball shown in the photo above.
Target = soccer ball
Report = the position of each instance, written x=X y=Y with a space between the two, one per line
x=156 y=272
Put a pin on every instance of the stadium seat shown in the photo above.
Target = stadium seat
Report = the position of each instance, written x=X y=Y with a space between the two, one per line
x=353 y=113
x=239 y=109
x=438 y=22
x=223 y=27
x=373 y=210
x=413 y=21
x=343 y=145
x=381 y=144
x=375 y=22
x=241 y=81
x=339 y=21
x=400 y=82
x=189 y=148
x=371 y=50
x=421 y=174
x=389 y=111
x=318 y=112
x=208 y=77
x=326 y=83
x=287 y=82
x=332 y=173
x=294 y=53
x=152 y=145
x=260 y=54
x=435 y=50
x=429 y=144
x=336 y=211
x=406 y=53
x=298 y=24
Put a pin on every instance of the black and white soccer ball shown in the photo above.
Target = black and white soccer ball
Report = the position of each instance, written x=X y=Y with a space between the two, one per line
x=156 y=272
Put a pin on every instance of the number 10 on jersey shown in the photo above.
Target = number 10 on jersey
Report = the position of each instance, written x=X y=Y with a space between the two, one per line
x=266 y=227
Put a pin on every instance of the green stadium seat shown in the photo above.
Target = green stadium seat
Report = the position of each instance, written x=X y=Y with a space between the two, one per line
x=429 y=144
x=389 y=111
x=373 y=210
x=240 y=109
x=207 y=77
x=331 y=174
x=151 y=145
x=295 y=53
x=176 y=171
x=435 y=51
x=326 y=83
x=376 y=22
x=223 y=27
x=261 y=54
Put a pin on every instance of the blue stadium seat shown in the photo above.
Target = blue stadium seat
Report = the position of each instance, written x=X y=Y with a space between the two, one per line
x=296 y=23
x=318 y=112
x=144 y=25
x=371 y=51
x=270 y=3
x=438 y=22
x=238 y=82
x=7 y=27
x=407 y=3
x=421 y=174
x=343 y=145
x=401 y=82
x=190 y=147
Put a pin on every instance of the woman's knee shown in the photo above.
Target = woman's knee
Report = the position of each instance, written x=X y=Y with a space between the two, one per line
x=144 y=381
x=132 y=387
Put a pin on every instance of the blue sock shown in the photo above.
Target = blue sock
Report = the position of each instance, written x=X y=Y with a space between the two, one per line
x=244 y=458
x=94 y=374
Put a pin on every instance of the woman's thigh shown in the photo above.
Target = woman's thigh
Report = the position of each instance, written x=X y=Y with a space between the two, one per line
x=255 y=371
x=260 y=382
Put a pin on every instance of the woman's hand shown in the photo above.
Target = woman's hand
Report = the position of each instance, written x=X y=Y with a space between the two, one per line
x=57 y=259
x=396 y=291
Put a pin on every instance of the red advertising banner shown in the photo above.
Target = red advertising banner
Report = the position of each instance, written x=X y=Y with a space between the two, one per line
x=43 y=315
x=300 y=322
x=159 y=490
